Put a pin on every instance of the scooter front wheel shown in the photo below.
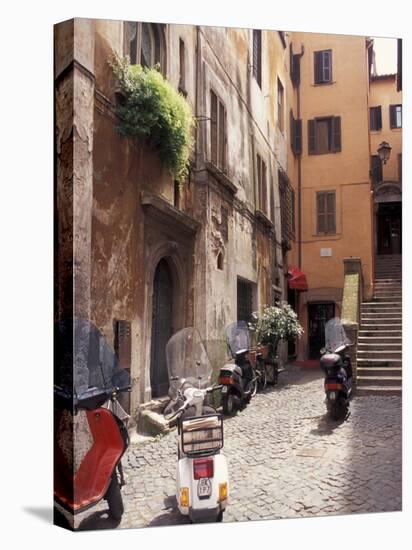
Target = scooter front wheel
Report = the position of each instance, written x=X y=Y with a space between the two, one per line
x=219 y=517
x=114 y=498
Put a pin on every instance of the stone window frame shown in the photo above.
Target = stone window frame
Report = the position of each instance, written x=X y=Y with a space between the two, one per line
x=158 y=35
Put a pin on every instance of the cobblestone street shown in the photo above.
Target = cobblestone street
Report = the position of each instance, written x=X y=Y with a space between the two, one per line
x=285 y=457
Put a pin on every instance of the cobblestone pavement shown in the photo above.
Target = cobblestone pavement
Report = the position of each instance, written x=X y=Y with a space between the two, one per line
x=285 y=457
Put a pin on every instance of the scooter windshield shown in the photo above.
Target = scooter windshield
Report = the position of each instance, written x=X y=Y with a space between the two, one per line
x=85 y=362
x=238 y=339
x=187 y=360
x=335 y=335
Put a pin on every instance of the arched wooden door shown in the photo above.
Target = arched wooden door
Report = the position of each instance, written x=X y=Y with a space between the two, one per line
x=162 y=315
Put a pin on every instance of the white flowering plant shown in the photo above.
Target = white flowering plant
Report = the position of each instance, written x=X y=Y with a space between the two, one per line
x=275 y=323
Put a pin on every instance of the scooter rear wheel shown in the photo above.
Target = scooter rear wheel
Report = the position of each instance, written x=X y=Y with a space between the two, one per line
x=228 y=404
x=114 y=498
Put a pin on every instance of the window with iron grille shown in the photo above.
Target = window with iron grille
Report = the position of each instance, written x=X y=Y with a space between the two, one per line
x=323 y=67
x=375 y=118
x=287 y=208
x=257 y=56
x=395 y=116
x=244 y=300
x=326 y=212
x=376 y=169
x=218 y=135
x=324 y=135
x=261 y=173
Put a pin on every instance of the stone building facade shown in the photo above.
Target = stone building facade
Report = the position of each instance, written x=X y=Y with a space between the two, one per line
x=149 y=258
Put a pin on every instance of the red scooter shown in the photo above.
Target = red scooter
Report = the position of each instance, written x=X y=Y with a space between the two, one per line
x=90 y=424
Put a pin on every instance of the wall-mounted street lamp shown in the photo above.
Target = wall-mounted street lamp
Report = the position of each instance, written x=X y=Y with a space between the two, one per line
x=384 y=151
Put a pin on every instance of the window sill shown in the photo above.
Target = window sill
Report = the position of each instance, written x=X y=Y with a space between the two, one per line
x=376 y=131
x=221 y=177
x=262 y=217
x=324 y=153
x=316 y=84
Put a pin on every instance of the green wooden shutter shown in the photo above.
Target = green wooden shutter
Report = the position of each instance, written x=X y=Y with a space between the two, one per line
x=318 y=67
x=311 y=137
x=298 y=136
x=337 y=140
x=330 y=212
x=321 y=212
x=392 y=116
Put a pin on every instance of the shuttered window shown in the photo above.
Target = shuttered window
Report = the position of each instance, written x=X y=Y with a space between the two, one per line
x=281 y=123
x=182 y=66
x=375 y=118
x=326 y=212
x=294 y=63
x=257 y=56
x=376 y=169
x=324 y=135
x=395 y=116
x=217 y=132
x=400 y=166
x=261 y=173
x=323 y=67
x=295 y=134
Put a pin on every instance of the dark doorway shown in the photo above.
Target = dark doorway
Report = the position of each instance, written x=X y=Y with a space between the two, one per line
x=162 y=329
x=319 y=315
x=244 y=300
x=389 y=227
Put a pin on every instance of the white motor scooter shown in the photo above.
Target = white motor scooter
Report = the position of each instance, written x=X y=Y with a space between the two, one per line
x=202 y=484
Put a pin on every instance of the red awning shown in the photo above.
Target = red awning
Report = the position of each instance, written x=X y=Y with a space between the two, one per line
x=297 y=279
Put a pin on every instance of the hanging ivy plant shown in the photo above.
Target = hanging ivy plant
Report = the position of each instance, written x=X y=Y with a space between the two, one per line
x=155 y=112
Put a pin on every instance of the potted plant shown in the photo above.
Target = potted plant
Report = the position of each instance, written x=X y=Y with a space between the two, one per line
x=272 y=325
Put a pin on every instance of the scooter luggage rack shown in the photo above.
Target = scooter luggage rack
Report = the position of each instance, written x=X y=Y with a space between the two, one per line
x=201 y=435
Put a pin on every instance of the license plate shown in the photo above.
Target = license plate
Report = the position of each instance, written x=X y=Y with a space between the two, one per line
x=204 y=488
x=224 y=389
x=332 y=395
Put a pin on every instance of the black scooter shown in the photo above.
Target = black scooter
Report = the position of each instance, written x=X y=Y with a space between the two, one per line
x=336 y=364
x=238 y=380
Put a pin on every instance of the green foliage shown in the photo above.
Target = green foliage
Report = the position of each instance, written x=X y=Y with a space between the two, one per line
x=155 y=112
x=278 y=322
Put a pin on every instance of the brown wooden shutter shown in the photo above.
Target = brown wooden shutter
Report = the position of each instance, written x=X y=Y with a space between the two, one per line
x=292 y=131
x=311 y=137
x=298 y=136
x=318 y=68
x=213 y=127
x=264 y=189
x=330 y=212
x=336 y=132
x=321 y=212
x=392 y=116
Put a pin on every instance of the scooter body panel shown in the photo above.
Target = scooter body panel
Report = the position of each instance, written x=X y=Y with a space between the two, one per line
x=201 y=508
x=89 y=484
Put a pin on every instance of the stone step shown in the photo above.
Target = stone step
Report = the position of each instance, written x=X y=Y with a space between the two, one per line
x=395 y=363
x=379 y=371
x=381 y=309
x=386 y=381
x=388 y=299
x=389 y=315
x=388 y=294
x=380 y=334
x=378 y=390
x=388 y=280
x=378 y=340
x=390 y=346
x=386 y=354
x=381 y=320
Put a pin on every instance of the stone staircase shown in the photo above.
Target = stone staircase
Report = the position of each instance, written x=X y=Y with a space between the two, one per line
x=379 y=354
